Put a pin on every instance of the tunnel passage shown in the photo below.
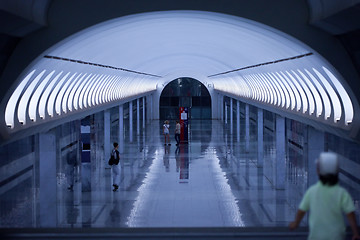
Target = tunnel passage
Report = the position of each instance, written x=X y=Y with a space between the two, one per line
x=185 y=92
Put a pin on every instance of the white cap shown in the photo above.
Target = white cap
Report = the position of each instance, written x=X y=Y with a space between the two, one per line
x=328 y=163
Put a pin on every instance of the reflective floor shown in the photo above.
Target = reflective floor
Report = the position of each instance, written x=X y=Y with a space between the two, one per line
x=209 y=182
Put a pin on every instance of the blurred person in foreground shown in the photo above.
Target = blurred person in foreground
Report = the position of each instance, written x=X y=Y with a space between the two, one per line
x=327 y=201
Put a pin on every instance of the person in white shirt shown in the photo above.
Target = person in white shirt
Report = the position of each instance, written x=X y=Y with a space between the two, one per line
x=166 y=132
x=327 y=202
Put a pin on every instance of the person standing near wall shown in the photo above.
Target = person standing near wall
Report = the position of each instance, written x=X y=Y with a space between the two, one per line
x=177 y=133
x=71 y=165
x=327 y=201
x=115 y=166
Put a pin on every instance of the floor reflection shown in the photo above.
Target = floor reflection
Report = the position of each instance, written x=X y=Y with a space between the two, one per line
x=210 y=182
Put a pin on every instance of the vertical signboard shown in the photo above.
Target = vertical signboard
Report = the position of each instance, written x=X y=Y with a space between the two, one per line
x=184 y=122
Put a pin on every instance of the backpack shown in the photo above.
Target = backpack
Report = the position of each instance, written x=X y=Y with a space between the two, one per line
x=112 y=159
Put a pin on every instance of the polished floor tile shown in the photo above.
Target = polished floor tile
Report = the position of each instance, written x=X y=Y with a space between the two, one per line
x=210 y=182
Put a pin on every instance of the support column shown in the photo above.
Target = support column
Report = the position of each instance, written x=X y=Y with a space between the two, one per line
x=226 y=113
x=143 y=115
x=219 y=106
x=96 y=168
x=247 y=128
x=97 y=153
x=47 y=179
x=121 y=128
x=131 y=120
x=260 y=134
x=222 y=107
x=107 y=144
x=138 y=116
x=316 y=145
x=238 y=120
x=148 y=117
x=231 y=116
x=151 y=108
x=280 y=153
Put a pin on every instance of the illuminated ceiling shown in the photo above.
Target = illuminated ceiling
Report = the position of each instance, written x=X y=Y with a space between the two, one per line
x=133 y=55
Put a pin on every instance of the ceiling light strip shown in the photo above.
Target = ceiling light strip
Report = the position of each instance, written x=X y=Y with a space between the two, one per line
x=99 y=65
x=262 y=64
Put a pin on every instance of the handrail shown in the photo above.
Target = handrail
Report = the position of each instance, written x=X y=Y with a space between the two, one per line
x=154 y=233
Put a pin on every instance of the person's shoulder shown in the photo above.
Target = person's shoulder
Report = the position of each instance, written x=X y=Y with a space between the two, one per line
x=341 y=189
x=314 y=187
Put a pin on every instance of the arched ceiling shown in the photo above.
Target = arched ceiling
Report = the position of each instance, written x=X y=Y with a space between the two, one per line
x=161 y=43
x=131 y=56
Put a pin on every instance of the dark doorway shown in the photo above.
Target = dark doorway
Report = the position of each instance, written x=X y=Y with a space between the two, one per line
x=185 y=92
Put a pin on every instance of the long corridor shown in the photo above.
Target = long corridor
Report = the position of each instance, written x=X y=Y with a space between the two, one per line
x=211 y=186
x=210 y=182
x=264 y=96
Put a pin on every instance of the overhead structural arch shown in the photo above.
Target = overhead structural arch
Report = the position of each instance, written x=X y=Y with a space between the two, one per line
x=133 y=56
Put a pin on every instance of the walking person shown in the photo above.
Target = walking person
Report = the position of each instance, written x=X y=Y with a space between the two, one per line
x=115 y=166
x=327 y=202
x=177 y=133
x=166 y=132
